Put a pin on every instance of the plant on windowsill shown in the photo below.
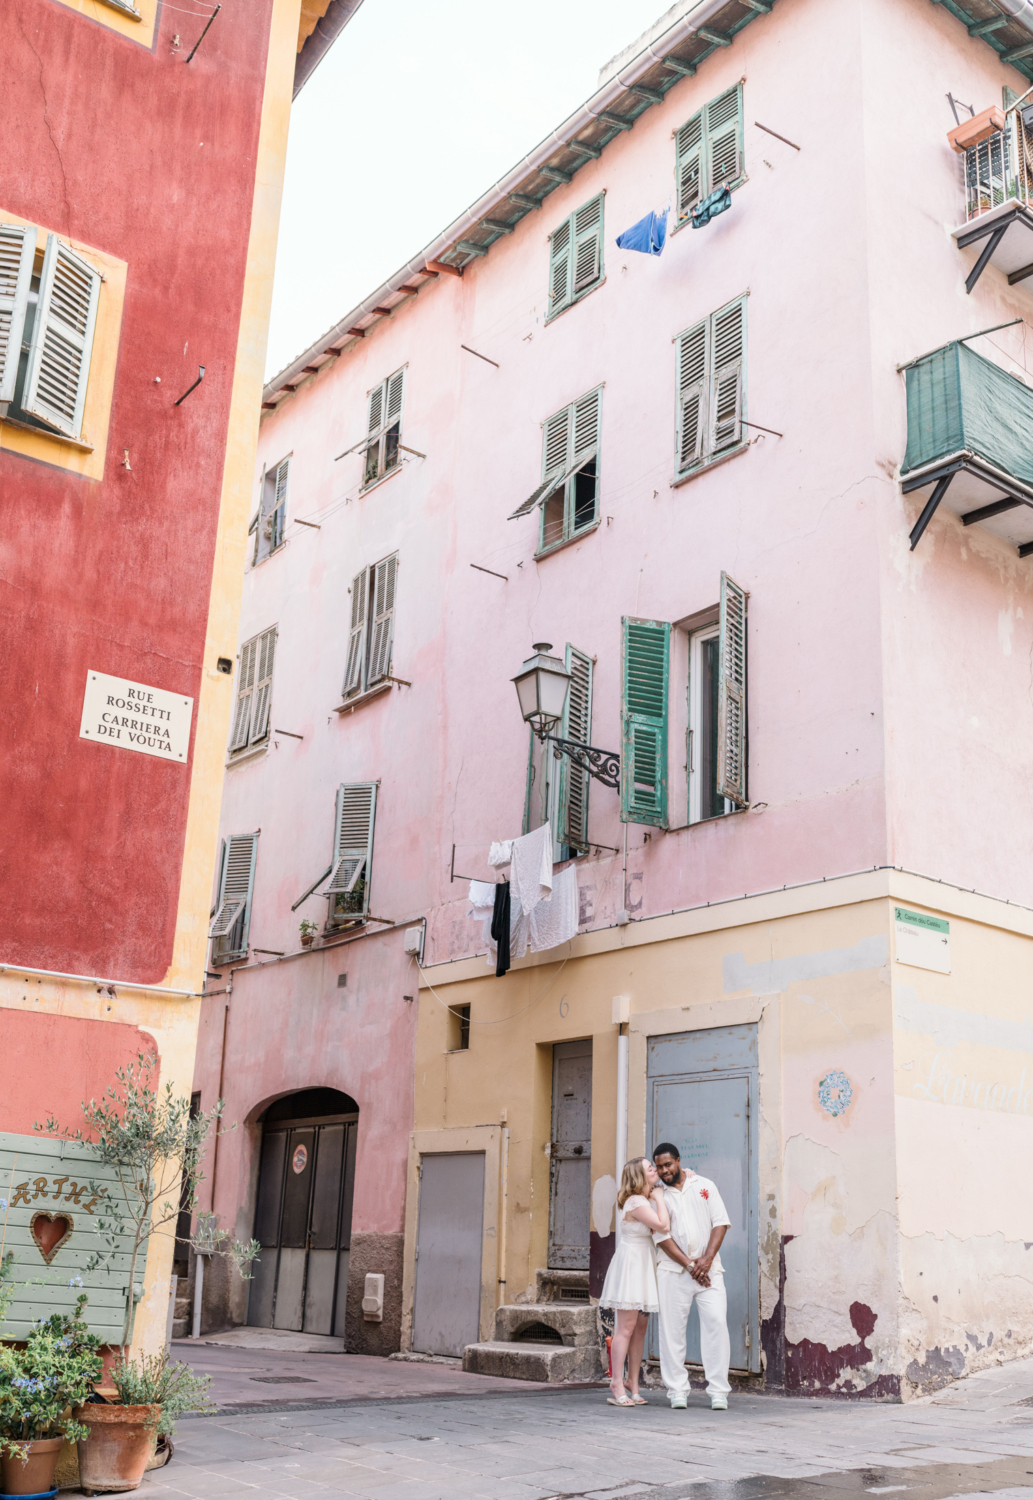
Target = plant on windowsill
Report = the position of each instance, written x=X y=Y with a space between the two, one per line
x=55 y=1371
x=308 y=932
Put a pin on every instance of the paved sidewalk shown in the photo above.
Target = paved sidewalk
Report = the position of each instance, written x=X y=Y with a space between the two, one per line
x=538 y=1444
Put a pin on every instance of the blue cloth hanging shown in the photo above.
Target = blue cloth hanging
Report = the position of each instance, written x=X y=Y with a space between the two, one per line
x=714 y=203
x=649 y=235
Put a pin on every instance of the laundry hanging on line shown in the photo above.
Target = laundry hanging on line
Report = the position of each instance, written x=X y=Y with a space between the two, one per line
x=709 y=207
x=649 y=235
x=543 y=908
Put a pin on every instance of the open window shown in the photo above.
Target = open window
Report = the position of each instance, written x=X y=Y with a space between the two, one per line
x=272 y=510
x=568 y=496
x=231 y=919
x=371 y=633
x=709 y=152
x=349 y=883
x=383 y=428
x=254 y=692
x=711 y=388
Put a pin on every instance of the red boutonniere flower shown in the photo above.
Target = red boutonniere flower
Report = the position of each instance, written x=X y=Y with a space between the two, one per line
x=703 y=1193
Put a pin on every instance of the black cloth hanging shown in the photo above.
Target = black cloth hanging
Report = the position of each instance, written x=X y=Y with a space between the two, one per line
x=500 y=927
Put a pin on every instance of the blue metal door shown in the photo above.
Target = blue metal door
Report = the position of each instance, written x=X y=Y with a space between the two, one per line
x=703 y=1097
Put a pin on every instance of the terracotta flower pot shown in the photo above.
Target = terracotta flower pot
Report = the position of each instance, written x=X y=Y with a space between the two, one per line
x=115 y=1454
x=36 y=1475
x=307 y=939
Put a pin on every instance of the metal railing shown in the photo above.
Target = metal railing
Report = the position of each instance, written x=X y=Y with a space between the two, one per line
x=1000 y=168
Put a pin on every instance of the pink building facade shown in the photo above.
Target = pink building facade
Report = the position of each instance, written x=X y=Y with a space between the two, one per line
x=804 y=913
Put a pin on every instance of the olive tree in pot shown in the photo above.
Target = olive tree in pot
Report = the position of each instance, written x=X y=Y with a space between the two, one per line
x=147 y=1136
x=55 y=1371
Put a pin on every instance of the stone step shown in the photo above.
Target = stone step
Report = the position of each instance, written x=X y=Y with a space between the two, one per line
x=553 y=1363
x=180 y=1328
x=572 y=1323
x=561 y=1286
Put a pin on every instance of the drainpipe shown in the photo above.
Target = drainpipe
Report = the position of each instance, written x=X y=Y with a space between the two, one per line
x=622 y=1112
x=1019 y=10
x=199 y=1260
x=503 y=1207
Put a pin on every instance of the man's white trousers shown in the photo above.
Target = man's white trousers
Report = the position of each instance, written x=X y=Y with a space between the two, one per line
x=676 y=1295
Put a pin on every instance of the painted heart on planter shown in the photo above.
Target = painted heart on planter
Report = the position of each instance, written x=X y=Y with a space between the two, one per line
x=50 y=1231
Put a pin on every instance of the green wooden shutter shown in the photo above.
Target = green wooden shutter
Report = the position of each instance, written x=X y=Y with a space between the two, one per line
x=692 y=393
x=245 y=695
x=688 y=166
x=374 y=424
x=278 y=514
x=644 y=715
x=728 y=341
x=560 y=265
x=724 y=139
x=731 y=694
x=355 y=668
x=383 y=619
x=588 y=245
x=17 y=249
x=62 y=339
x=263 y=686
x=577 y=726
x=393 y=418
x=232 y=920
x=39 y=1175
x=353 y=847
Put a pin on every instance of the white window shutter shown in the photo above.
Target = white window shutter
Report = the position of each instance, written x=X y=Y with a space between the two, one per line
x=555 y=460
x=731 y=694
x=724 y=138
x=354 y=672
x=588 y=244
x=586 y=424
x=395 y=386
x=727 y=347
x=559 y=267
x=688 y=167
x=17 y=249
x=383 y=618
x=692 y=387
x=236 y=885
x=376 y=410
x=577 y=726
x=263 y=686
x=353 y=846
x=245 y=695
x=62 y=339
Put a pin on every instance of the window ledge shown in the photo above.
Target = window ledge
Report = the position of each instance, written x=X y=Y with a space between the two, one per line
x=587 y=292
x=260 y=560
x=578 y=536
x=49 y=432
x=705 y=822
x=382 y=478
x=711 y=463
x=351 y=704
x=253 y=752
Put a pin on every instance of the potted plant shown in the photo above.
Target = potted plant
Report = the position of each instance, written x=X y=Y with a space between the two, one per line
x=121 y=1437
x=308 y=932
x=38 y=1384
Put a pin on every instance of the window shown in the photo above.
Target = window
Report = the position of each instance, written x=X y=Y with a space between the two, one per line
x=383 y=428
x=557 y=789
x=47 y=322
x=348 y=885
x=254 y=691
x=576 y=256
x=568 y=496
x=372 y=627
x=272 y=510
x=716 y=735
x=711 y=388
x=709 y=151
x=231 y=919
x=458 y=1028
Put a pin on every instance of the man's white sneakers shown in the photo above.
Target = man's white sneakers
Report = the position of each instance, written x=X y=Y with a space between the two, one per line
x=679 y=1403
x=719 y=1403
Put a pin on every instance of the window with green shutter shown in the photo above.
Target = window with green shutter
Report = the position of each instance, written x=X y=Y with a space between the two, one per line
x=568 y=496
x=350 y=873
x=717 y=718
x=576 y=256
x=383 y=428
x=231 y=919
x=709 y=152
x=646 y=650
x=272 y=510
x=710 y=371
x=254 y=692
x=557 y=789
x=372 y=627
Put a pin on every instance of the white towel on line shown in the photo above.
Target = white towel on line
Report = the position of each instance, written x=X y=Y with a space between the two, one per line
x=530 y=875
x=555 y=921
x=500 y=853
x=482 y=894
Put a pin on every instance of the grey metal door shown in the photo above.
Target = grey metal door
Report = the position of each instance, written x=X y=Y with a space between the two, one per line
x=303 y=1225
x=570 y=1156
x=703 y=1097
x=449 y=1244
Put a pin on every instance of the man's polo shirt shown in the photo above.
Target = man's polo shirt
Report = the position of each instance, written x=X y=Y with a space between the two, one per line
x=695 y=1209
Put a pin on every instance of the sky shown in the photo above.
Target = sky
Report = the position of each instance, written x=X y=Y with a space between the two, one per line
x=416 y=110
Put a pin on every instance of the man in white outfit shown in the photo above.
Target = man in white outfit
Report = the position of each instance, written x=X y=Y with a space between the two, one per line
x=689 y=1269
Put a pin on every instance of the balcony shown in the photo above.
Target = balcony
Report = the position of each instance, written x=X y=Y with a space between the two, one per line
x=997 y=150
x=970 y=444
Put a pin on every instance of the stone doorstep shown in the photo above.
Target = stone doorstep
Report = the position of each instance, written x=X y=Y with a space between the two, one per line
x=551 y=1363
x=550 y=1285
x=574 y=1323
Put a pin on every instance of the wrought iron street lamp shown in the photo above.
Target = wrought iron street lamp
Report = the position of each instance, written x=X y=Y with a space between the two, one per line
x=542 y=685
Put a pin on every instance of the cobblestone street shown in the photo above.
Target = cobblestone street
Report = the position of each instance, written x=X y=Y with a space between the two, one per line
x=524 y=1443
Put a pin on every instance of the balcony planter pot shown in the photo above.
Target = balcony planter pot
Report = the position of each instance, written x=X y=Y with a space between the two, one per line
x=34 y=1476
x=121 y=1442
x=307 y=939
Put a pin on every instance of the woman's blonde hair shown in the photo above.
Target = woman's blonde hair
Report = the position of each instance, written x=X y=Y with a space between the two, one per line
x=634 y=1180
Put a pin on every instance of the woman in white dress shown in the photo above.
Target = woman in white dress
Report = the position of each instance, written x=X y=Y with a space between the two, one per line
x=630 y=1285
